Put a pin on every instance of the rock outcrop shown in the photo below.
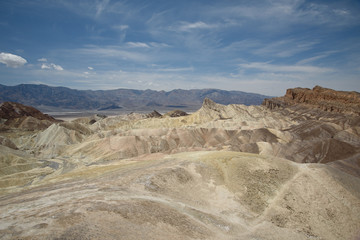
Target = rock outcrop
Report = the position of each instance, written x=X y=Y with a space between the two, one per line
x=318 y=97
x=154 y=114
x=16 y=115
x=175 y=113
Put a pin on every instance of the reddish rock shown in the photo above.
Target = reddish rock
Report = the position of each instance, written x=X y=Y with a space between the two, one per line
x=20 y=116
x=10 y=110
x=322 y=98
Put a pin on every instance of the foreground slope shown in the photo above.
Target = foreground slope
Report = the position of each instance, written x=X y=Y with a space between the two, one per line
x=198 y=195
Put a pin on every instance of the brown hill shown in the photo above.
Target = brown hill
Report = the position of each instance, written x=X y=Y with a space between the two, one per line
x=16 y=115
x=11 y=110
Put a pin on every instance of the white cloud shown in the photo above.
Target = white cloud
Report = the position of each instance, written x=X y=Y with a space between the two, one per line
x=11 y=60
x=186 y=26
x=42 y=60
x=138 y=44
x=121 y=27
x=176 y=69
x=90 y=68
x=266 y=67
x=56 y=67
x=45 y=66
x=51 y=66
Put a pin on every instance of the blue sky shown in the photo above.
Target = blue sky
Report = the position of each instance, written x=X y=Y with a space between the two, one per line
x=263 y=46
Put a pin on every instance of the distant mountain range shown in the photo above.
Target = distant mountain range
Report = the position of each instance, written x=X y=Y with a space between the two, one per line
x=45 y=97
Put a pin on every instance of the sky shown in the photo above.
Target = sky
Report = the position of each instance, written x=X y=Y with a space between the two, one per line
x=260 y=46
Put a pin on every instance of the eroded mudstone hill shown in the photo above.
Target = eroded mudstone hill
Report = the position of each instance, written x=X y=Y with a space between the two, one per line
x=318 y=97
x=21 y=116
x=11 y=110
x=222 y=172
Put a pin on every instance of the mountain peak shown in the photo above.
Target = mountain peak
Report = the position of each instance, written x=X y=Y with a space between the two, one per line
x=208 y=103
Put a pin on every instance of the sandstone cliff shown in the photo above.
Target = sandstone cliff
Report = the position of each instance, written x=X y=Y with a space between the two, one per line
x=318 y=97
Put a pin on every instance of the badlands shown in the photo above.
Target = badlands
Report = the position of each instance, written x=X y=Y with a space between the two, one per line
x=288 y=169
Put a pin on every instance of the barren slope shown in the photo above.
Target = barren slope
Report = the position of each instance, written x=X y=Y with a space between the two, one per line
x=199 y=195
x=300 y=135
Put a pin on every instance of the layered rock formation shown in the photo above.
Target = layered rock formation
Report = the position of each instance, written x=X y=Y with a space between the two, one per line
x=223 y=172
x=322 y=98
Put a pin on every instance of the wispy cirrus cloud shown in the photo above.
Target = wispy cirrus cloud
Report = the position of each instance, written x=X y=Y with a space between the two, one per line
x=185 y=69
x=267 y=67
x=93 y=9
x=283 y=14
x=187 y=26
x=285 y=47
x=316 y=57
x=146 y=45
x=101 y=6
x=121 y=27
x=137 y=44
x=159 y=45
x=112 y=52
x=42 y=60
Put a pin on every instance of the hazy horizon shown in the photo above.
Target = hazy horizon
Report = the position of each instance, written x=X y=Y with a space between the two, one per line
x=88 y=89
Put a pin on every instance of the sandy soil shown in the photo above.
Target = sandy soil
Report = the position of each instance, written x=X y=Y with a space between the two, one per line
x=200 y=195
